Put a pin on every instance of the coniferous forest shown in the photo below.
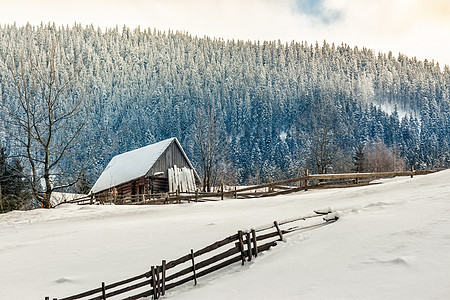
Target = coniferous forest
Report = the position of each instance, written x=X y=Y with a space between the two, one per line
x=273 y=104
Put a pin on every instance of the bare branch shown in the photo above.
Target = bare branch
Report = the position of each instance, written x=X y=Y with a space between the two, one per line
x=47 y=121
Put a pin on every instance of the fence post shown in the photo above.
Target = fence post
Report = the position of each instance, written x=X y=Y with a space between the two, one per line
x=255 y=246
x=103 y=291
x=154 y=282
x=193 y=267
x=235 y=193
x=163 y=278
x=241 y=246
x=249 y=246
x=92 y=199
x=196 y=195
x=221 y=193
x=306 y=180
x=158 y=282
x=278 y=229
x=412 y=171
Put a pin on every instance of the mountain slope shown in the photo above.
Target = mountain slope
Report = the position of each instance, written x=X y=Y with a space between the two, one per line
x=146 y=86
x=391 y=242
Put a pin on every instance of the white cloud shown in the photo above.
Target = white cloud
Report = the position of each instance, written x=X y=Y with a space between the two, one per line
x=415 y=27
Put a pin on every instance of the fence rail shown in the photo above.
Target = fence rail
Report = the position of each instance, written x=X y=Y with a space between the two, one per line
x=313 y=181
x=240 y=247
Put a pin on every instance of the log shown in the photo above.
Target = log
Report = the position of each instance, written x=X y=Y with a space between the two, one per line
x=217 y=244
x=180 y=282
x=296 y=228
x=281 y=187
x=263 y=227
x=286 y=221
x=284 y=192
x=204 y=272
x=219 y=266
x=158 y=283
x=255 y=246
x=359 y=175
x=216 y=258
x=306 y=180
x=179 y=273
x=163 y=277
x=140 y=295
x=103 y=291
x=129 y=288
x=241 y=246
x=154 y=283
x=266 y=246
x=178 y=261
x=193 y=267
x=249 y=246
x=119 y=283
x=267 y=236
x=84 y=294
x=278 y=230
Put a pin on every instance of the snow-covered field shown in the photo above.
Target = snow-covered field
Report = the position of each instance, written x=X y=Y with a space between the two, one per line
x=392 y=242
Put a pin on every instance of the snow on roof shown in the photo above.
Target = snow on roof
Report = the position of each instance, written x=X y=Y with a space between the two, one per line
x=130 y=165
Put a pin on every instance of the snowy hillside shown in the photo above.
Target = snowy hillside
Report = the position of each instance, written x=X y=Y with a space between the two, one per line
x=392 y=242
x=146 y=86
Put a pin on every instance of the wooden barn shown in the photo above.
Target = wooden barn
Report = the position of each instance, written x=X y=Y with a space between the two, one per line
x=158 y=168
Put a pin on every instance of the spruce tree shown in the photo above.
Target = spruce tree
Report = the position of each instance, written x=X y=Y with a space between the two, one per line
x=358 y=160
x=13 y=192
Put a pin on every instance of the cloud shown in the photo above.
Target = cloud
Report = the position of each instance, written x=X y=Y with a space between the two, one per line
x=317 y=9
x=414 y=27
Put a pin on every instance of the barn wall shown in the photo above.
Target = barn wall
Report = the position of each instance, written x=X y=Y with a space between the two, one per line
x=133 y=187
x=172 y=156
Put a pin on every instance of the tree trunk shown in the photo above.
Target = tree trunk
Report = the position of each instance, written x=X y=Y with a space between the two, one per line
x=1 y=201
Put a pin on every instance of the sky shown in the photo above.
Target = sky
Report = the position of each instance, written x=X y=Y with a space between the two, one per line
x=419 y=28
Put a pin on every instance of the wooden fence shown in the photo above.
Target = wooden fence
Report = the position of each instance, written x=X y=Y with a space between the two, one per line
x=314 y=181
x=240 y=247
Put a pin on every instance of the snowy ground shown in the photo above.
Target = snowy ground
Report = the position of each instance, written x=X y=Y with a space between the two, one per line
x=392 y=242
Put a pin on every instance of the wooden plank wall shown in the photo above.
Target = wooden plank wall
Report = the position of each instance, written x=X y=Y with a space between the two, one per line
x=172 y=156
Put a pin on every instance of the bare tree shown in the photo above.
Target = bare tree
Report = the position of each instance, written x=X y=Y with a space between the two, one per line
x=210 y=144
x=48 y=115
x=380 y=158
x=320 y=127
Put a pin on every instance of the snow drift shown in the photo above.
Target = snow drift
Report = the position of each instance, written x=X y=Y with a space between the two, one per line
x=392 y=242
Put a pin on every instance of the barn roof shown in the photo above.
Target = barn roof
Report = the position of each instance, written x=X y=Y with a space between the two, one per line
x=132 y=165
